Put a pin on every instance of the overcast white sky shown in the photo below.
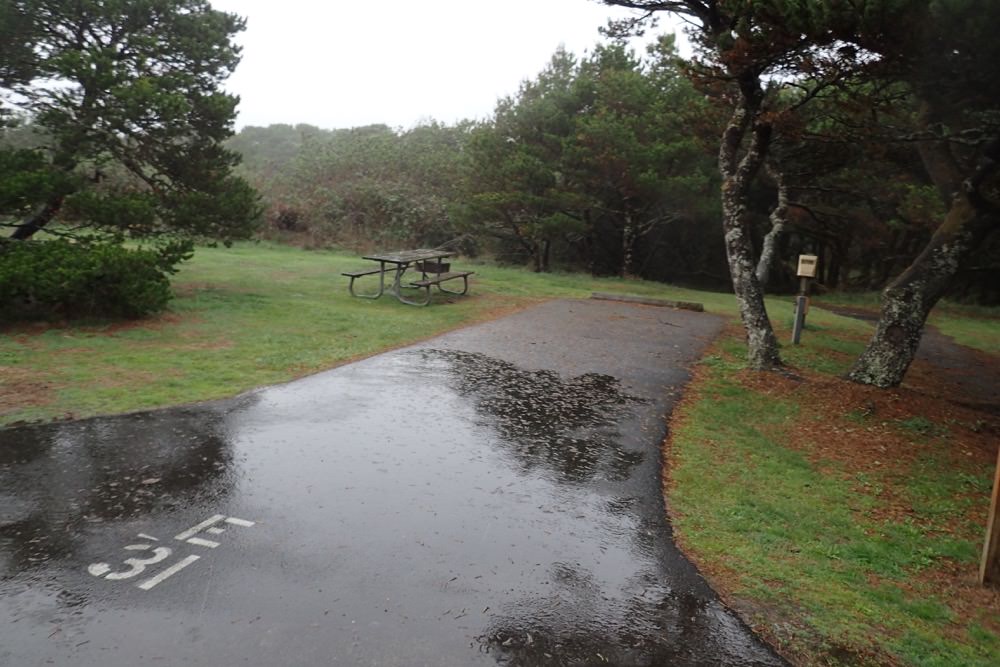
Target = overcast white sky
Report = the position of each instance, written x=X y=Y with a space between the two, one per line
x=343 y=64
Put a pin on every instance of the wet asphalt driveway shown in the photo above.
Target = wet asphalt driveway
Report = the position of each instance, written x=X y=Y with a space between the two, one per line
x=489 y=496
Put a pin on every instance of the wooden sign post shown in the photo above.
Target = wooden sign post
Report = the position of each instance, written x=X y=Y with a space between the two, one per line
x=989 y=568
x=807 y=271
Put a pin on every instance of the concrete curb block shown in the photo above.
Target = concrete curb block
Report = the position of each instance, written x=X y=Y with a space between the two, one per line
x=667 y=303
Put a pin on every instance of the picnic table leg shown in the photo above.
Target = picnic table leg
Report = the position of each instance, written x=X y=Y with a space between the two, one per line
x=397 y=287
x=427 y=297
x=465 y=287
x=381 y=285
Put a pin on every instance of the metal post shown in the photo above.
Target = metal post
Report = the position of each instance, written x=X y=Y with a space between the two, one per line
x=801 y=309
x=800 y=318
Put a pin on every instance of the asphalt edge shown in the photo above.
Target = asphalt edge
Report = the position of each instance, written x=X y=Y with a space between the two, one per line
x=724 y=595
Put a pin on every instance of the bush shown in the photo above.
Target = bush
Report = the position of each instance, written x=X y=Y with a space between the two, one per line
x=40 y=279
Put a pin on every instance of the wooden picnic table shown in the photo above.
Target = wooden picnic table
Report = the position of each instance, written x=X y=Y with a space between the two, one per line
x=428 y=261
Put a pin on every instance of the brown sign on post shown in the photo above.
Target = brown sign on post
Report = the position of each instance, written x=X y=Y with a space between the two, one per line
x=807 y=270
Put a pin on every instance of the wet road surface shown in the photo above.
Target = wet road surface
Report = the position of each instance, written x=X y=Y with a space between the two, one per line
x=491 y=496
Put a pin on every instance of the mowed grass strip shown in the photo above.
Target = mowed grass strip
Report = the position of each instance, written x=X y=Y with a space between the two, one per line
x=253 y=315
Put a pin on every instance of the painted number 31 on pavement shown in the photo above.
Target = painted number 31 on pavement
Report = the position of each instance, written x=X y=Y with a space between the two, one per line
x=147 y=555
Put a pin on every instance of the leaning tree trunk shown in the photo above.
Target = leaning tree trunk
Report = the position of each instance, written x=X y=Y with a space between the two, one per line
x=908 y=300
x=64 y=161
x=973 y=212
x=779 y=216
x=737 y=175
x=38 y=220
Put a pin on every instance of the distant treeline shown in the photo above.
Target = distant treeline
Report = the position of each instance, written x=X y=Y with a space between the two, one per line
x=605 y=163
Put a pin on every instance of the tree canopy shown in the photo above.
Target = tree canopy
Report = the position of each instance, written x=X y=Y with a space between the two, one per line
x=767 y=61
x=126 y=101
x=593 y=153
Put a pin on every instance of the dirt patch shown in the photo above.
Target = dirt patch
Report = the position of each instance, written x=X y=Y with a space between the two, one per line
x=960 y=374
x=186 y=289
x=153 y=323
x=218 y=344
x=880 y=435
x=23 y=332
x=844 y=419
x=131 y=379
x=970 y=602
x=20 y=388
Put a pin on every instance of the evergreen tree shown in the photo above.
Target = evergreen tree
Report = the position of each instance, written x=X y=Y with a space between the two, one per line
x=128 y=96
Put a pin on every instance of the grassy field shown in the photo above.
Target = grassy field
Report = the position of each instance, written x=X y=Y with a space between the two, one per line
x=843 y=522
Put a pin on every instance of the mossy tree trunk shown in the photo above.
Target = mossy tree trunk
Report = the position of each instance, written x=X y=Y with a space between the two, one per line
x=907 y=301
x=779 y=216
x=746 y=127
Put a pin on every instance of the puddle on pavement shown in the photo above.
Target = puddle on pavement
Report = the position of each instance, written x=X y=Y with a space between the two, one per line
x=569 y=429
x=422 y=507
x=57 y=480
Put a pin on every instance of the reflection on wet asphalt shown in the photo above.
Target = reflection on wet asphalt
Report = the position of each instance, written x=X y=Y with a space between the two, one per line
x=566 y=430
x=490 y=496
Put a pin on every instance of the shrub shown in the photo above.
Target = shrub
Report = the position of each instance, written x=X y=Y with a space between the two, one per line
x=41 y=279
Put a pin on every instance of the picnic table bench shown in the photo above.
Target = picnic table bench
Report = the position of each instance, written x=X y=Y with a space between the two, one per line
x=432 y=270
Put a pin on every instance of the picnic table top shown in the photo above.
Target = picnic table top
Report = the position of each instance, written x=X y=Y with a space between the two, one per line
x=407 y=256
